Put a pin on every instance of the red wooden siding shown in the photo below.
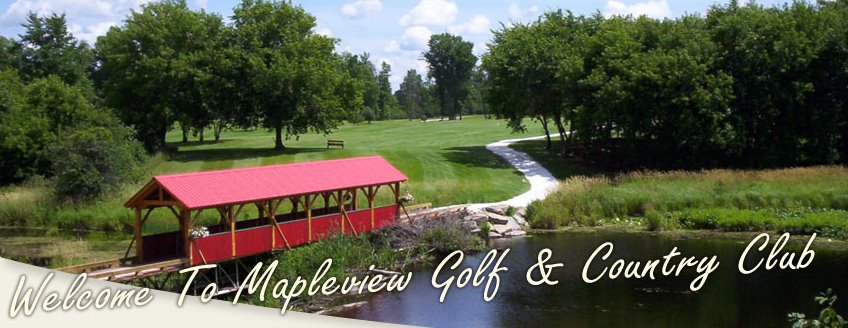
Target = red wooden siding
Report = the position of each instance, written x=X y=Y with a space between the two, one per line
x=385 y=215
x=215 y=248
x=252 y=241
x=325 y=226
x=296 y=232
x=361 y=220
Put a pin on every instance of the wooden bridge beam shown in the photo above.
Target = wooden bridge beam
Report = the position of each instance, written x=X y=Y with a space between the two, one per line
x=185 y=233
x=139 y=251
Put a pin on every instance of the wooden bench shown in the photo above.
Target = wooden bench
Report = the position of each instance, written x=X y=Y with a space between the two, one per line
x=335 y=143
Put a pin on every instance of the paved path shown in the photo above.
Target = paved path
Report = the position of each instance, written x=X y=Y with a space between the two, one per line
x=542 y=182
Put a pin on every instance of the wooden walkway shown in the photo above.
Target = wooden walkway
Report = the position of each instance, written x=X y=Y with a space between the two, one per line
x=117 y=270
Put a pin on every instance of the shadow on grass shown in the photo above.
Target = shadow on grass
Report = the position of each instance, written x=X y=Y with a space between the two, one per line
x=561 y=168
x=223 y=154
x=196 y=143
x=477 y=156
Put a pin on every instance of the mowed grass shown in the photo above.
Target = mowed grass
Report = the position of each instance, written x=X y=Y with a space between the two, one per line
x=446 y=162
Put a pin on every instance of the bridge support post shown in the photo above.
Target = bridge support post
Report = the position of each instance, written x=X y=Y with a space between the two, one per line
x=139 y=250
x=370 y=195
x=396 y=189
x=310 y=200
x=185 y=234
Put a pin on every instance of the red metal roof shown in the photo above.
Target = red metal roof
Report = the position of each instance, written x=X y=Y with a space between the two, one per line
x=235 y=186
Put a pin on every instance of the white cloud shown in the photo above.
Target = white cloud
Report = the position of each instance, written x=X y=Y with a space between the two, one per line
x=516 y=13
x=479 y=48
x=87 y=19
x=650 y=8
x=415 y=38
x=360 y=8
x=392 y=47
x=91 y=32
x=202 y=4
x=323 y=30
x=431 y=13
x=477 y=25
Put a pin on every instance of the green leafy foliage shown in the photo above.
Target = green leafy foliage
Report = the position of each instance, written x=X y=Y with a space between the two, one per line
x=412 y=95
x=292 y=71
x=48 y=48
x=96 y=161
x=828 y=318
x=451 y=62
x=55 y=130
x=155 y=68
x=747 y=86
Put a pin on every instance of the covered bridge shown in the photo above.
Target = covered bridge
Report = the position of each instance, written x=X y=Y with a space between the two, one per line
x=338 y=184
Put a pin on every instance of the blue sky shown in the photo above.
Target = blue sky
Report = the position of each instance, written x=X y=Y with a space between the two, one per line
x=393 y=31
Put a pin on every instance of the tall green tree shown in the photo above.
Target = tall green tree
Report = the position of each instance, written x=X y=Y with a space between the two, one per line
x=10 y=54
x=451 y=61
x=362 y=76
x=147 y=68
x=769 y=52
x=387 y=101
x=48 y=48
x=293 y=72
x=478 y=88
x=412 y=95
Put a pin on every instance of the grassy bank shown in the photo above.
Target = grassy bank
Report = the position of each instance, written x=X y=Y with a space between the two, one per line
x=800 y=200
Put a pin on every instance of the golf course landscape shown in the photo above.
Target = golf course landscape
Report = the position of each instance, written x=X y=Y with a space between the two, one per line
x=177 y=136
x=446 y=162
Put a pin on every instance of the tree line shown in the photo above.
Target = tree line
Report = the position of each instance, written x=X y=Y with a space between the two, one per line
x=747 y=86
x=52 y=123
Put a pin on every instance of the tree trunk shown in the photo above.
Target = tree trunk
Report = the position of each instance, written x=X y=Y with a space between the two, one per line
x=278 y=143
x=162 y=142
x=185 y=135
x=549 y=144
x=201 y=135
x=562 y=136
x=218 y=128
x=483 y=104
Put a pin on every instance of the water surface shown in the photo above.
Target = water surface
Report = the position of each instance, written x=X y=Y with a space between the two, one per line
x=728 y=299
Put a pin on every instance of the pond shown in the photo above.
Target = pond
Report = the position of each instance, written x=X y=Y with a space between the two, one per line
x=57 y=248
x=728 y=299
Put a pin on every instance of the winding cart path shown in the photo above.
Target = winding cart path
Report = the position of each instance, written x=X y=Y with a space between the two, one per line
x=542 y=182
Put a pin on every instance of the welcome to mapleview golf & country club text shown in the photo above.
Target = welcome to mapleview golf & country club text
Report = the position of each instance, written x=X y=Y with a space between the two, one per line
x=28 y=299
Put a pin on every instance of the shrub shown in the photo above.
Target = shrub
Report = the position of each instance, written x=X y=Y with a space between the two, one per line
x=827 y=317
x=368 y=115
x=446 y=235
x=510 y=211
x=657 y=221
x=95 y=161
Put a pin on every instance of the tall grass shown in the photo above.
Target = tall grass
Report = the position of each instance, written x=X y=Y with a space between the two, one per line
x=394 y=248
x=657 y=196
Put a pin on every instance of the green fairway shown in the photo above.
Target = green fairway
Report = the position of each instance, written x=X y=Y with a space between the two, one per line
x=446 y=162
